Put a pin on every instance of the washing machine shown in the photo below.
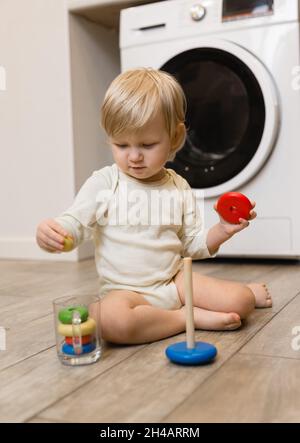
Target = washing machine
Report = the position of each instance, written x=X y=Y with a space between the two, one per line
x=238 y=63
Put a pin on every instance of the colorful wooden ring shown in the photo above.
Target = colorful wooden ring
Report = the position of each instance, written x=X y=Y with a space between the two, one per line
x=68 y=244
x=86 y=328
x=68 y=349
x=65 y=315
x=84 y=340
x=232 y=206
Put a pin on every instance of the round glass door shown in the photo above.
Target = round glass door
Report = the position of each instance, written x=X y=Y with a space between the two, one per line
x=225 y=118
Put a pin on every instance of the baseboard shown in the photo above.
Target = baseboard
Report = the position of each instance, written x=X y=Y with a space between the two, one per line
x=27 y=249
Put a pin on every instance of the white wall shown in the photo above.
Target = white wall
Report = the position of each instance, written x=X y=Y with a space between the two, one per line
x=36 y=172
x=42 y=163
x=94 y=63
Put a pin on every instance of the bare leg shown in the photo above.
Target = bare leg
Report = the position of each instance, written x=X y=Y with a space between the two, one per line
x=127 y=318
x=263 y=298
x=215 y=321
x=224 y=302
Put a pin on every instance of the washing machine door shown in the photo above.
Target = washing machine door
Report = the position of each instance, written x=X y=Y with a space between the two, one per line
x=232 y=115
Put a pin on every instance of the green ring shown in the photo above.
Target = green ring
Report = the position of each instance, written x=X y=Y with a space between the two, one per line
x=65 y=315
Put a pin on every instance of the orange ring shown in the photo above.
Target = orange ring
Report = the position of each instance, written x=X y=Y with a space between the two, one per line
x=85 y=339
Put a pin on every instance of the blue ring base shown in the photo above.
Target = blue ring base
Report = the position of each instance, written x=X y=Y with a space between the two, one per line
x=202 y=353
x=69 y=349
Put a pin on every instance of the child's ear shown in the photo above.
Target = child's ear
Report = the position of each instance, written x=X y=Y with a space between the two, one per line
x=179 y=136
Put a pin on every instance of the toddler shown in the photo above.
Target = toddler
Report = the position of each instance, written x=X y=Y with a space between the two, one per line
x=144 y=219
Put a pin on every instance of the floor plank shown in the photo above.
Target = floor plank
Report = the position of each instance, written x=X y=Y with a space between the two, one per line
x=29 y=279
x=280 y=337
x=133 y=384
x=35 y=383
x=246 y=389
x=7 y=300
x=144 y=382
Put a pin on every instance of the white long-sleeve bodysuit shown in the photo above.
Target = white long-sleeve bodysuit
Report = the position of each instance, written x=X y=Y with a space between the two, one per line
x=141 y=231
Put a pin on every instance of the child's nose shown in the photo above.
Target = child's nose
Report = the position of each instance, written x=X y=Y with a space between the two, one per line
x=135 y=154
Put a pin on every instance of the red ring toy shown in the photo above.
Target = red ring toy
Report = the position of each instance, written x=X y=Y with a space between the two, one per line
x=232 y=206
x=85 y=339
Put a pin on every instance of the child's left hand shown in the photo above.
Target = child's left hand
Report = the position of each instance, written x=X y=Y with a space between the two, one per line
x=231 y=229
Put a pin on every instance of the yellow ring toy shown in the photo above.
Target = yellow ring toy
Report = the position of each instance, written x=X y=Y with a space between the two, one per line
x=88 y=327
x=68 y=244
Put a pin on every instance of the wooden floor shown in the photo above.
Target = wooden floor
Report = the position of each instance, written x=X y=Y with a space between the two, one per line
x=255 y=377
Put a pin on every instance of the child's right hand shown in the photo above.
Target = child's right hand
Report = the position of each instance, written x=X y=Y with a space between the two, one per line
x=50 y=236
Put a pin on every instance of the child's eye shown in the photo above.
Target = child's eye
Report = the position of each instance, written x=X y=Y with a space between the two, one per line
x=121 y=145
x=148 y=145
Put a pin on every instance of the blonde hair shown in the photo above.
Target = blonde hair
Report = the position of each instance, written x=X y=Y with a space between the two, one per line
x=135 y=96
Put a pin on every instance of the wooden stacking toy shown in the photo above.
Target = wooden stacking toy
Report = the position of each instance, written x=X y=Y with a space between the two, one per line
x=189 y=352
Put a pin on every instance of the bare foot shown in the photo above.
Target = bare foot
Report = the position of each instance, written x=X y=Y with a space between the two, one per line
x=262 y=296
x=215 y=321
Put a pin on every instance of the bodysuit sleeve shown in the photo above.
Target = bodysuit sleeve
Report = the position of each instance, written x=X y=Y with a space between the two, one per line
x=193 y=233
x=89 y=206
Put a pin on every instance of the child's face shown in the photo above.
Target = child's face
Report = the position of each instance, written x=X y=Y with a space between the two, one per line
x=143 y=154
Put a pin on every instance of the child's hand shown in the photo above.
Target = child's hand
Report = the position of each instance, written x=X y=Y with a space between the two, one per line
x=50 y=236
x=231 y=229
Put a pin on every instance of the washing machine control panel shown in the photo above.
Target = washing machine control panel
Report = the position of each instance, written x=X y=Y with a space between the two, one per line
x=169 y=19
x=197 y=12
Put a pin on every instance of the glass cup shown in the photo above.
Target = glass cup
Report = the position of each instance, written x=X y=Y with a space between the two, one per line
x=77 y=329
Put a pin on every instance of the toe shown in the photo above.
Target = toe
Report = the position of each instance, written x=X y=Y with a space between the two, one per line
x=234 y=317
x=233 y=321
x=268 y=295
